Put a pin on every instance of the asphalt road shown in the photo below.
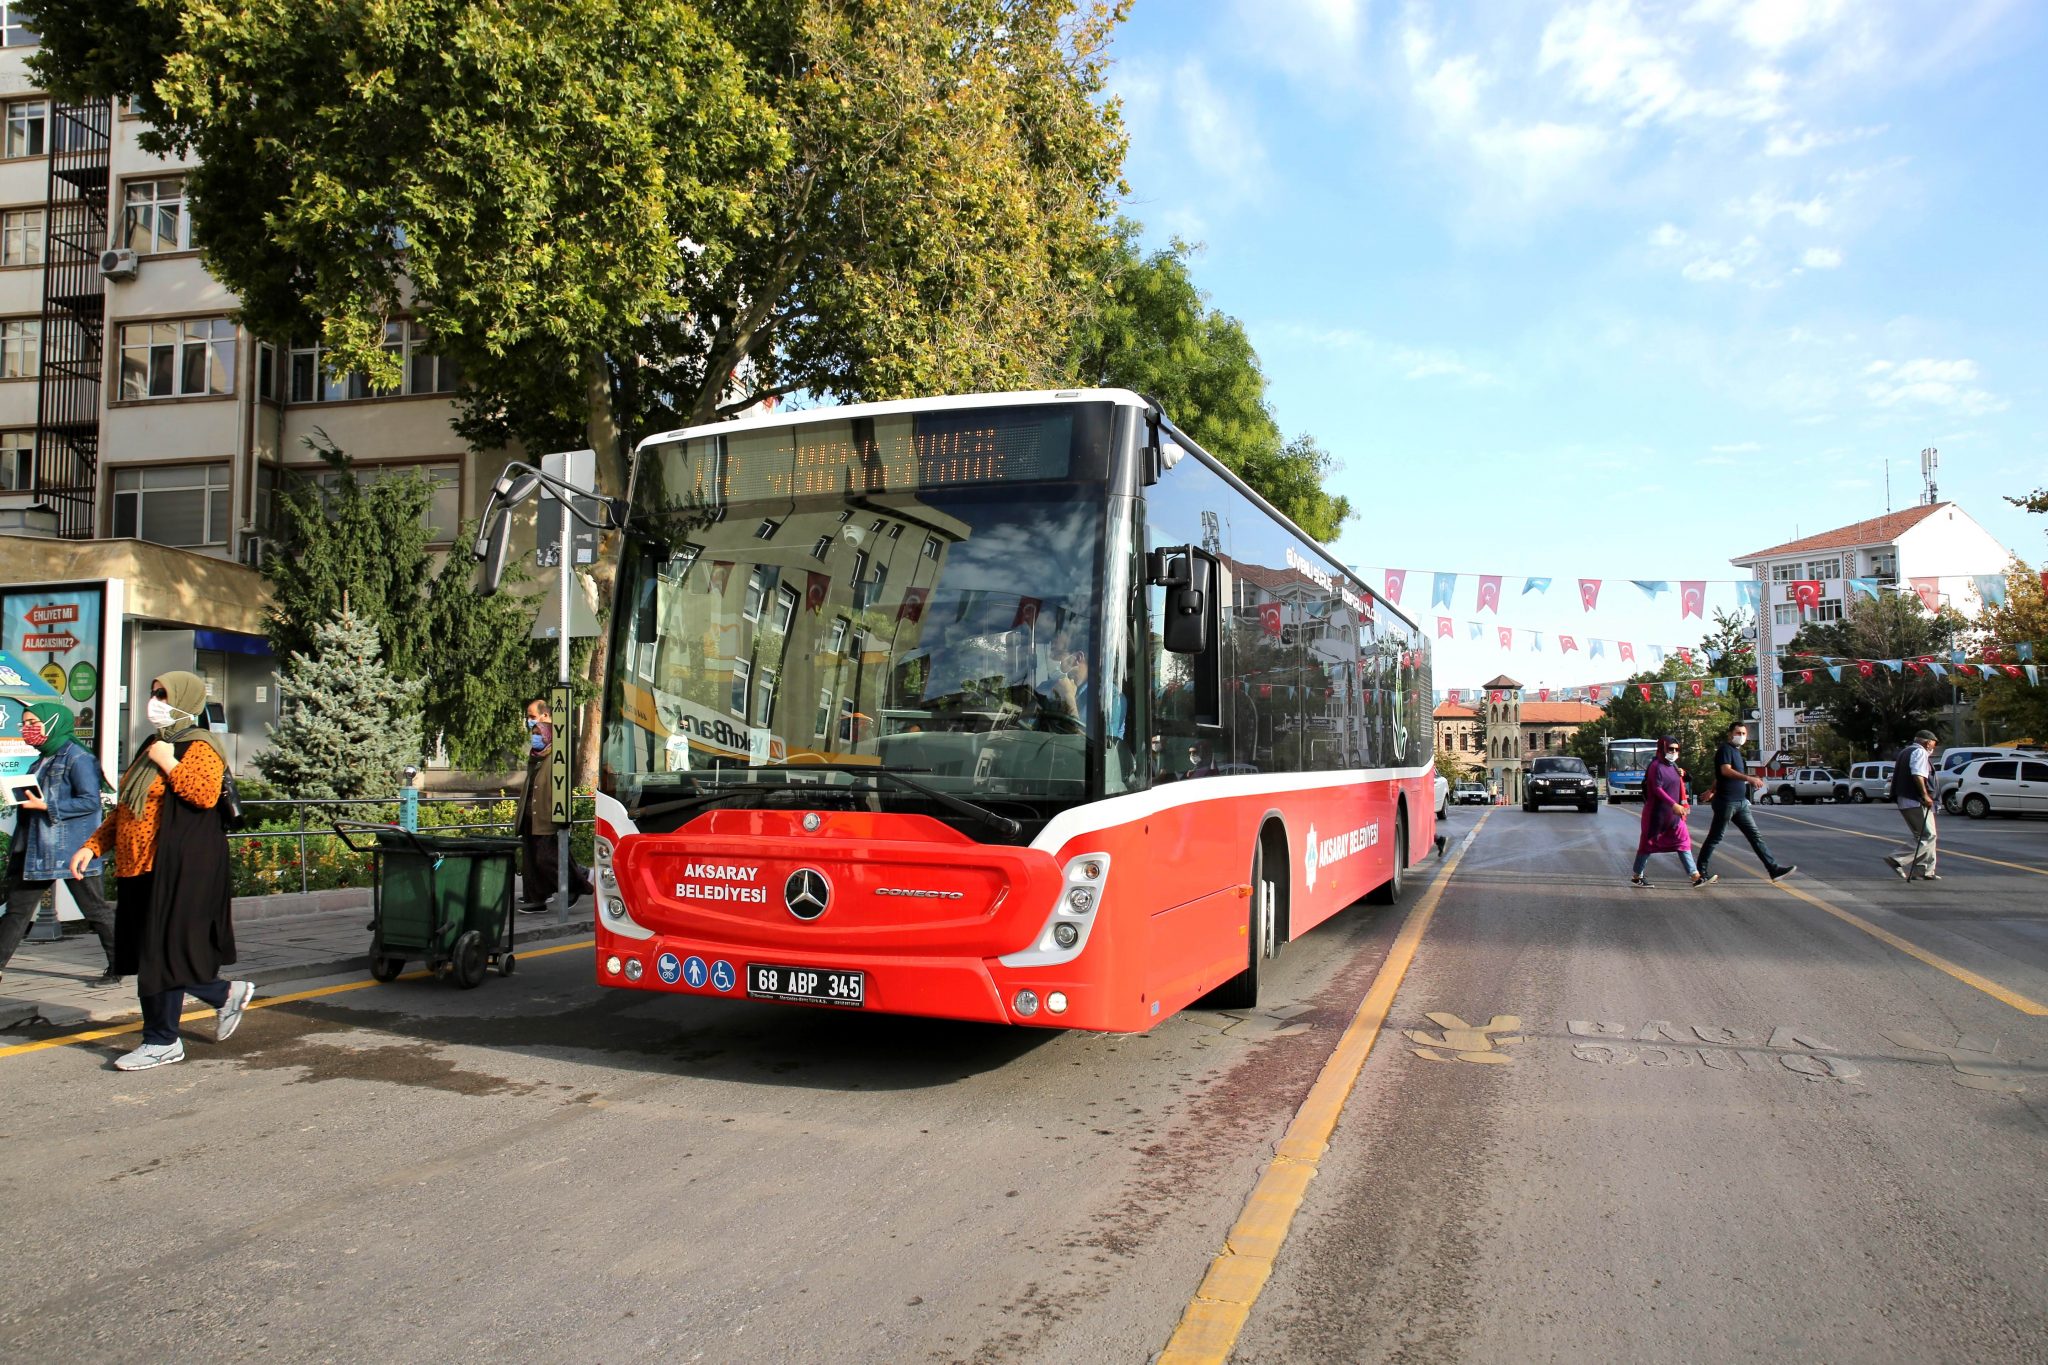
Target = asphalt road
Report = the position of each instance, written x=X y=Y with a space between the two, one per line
x=1708 y=1142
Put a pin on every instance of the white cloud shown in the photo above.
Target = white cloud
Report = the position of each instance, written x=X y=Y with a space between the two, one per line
x=1667 y=235
x=1763 y=208
x=1408 y=362
x=1708 y=268
x=1318 y=40
x=1795 y=139
x=1821 y=258
x=1774 y=25
x=1610 y=58
x=1218 y=131
x=1950 y=384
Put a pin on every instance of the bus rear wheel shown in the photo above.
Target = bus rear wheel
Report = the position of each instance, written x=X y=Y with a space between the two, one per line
x=1241 y=992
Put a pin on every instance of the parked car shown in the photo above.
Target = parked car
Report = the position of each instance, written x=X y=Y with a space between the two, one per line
x=1805 y=784
x=1443 y=796
x=1472 y=794
x=1949 y=765
x=2005 y=786
x=1867 y=782
x=1561 y=781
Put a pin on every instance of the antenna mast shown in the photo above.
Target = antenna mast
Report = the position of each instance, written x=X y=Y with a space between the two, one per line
x=1930 y=464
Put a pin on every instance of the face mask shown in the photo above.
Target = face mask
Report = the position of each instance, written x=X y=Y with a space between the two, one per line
x=542 y=733
x=160 y=712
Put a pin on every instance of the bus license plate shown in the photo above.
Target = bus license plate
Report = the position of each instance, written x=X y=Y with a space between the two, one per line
x=810 y=985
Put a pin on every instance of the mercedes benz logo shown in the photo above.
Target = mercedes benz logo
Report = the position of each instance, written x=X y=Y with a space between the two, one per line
x=807 y=893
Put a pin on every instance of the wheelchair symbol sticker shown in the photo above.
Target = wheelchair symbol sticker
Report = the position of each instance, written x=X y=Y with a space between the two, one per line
x=694 y=971
x=722 y=978
x=668 y=968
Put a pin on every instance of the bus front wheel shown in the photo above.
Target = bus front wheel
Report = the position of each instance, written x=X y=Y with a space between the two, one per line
x=1389 y=891
x=1241 y=992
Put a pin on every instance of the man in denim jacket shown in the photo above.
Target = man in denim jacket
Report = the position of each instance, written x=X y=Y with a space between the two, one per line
x=48 y=829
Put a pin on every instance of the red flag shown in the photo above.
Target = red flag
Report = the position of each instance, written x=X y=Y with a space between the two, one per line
x=1644 y=689
x=721 y=574
x=1495 y=696
x=1913 y=664
x=1628 y=652
x=1685 y=655
x=1455 y=694
x=1489 y=592
x=1543 y=694
x=1265 y=689
x=1593 y=691
x=1806 y=593
x=1929 y=591
x=815 y=589
x=1270 y=617
x=912 y=606
x=1806 y=675
x=1566 y=644
x=1396 y=580
x=2011 y=670
x=1692 y=597
x=1589 y=593
x=1443 y=627
x=1864 y=667
x=1749 y=681
x=1507 y=637
x=1991 y=653
x=1027 y=612
x=1695 y=686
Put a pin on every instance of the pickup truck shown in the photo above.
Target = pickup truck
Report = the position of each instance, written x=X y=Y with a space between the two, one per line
x=1807 y=785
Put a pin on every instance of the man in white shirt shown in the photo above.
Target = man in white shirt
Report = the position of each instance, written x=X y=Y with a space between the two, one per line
x=1913 y=793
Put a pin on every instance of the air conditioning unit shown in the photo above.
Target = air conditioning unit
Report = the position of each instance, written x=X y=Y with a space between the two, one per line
x=118 y=263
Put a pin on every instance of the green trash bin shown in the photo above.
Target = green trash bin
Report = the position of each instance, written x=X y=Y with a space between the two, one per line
x=443 y=900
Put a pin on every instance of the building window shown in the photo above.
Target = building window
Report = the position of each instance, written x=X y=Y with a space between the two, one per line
x=757 y=592
x=838 y=645
x=14 y=29
x=1824 y=568
x=1785 y=614
x=177 y=359
x=153 y=216
x=443 y=516
x=895 y=530
x=931 y=547
x=742 y=679
x=21 y=348
x=1884 y=565
x=785 y=608
x=21 y=237
x=28 y=127
x=1784 y=573
x=764 y=697
x=420 y=371
x=17 y=460
x=182 y=505
x=822 y=548
x=1827 y=609
x=266 y=370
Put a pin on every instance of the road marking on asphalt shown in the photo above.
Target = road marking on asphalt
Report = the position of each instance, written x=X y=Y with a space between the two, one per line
x=1463 y=1042
x=2003 y=994
x=1729 y=1049
x=1886 y=839
x=264 y=1002
x=1975 y=1059
x=1209 y=1327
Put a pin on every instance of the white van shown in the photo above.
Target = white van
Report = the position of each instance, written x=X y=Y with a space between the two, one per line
x=1870 y=782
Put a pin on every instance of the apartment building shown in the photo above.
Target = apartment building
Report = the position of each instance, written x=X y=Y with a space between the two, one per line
x=1934 y=551
x=143 y=433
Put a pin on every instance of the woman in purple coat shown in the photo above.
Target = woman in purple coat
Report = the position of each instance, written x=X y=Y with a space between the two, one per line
x=1664 y=810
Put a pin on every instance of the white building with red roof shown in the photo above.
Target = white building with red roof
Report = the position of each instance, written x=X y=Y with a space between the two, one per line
x=1935 y=551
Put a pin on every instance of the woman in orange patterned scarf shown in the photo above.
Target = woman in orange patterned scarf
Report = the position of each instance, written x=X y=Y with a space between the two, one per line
x=173 y=908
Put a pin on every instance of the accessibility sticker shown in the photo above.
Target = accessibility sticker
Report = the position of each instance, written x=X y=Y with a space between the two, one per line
x=668 y=968
x=722 y=977
x=695 y=972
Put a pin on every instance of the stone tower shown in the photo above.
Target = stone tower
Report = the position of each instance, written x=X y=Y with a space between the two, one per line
x=1504 y=737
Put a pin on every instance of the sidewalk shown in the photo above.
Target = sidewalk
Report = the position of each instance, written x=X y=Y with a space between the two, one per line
x=279 y=938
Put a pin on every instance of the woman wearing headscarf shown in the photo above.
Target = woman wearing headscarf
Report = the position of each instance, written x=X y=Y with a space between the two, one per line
x=173 y=906
x=1665 y=805
x=50 y=827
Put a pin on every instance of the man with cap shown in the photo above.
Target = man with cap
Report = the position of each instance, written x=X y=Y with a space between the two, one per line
x=1913 y=794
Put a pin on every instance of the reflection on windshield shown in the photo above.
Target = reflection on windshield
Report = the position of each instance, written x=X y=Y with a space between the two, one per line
x=1630 y=757
x=1558 y=765
x=947 y=633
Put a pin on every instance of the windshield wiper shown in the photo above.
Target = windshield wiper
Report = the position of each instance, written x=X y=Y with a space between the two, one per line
x=705 y=798
x=995 y=820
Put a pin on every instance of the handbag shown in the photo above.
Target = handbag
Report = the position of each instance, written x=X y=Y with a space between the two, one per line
x=230 y=803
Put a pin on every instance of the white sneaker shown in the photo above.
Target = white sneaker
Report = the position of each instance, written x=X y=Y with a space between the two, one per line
x=240 y=993
x=151 y=1054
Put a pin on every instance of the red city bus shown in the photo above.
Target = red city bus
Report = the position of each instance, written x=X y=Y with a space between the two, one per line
x=1007 y=707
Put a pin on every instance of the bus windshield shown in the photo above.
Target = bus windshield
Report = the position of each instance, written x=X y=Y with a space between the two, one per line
x=773 y=641
x=1630 y=755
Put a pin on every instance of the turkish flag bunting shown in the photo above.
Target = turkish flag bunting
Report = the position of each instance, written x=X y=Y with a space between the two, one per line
x=1507 y=637
x=1593 y=691
x=1265 y=689
x=1749 y=680
x=1566 y=644
x=1493 y=696
x=1686 y=655
x=1443 y=627
x=1489 y=592
x=816 y=586
x=1991 y=653
x=1695 y=686
x=1806 y=675
x=2011 y=670
x=1913 y=664
x=1396 y=580
x=1269 y=617
x=1806 y=593
x=1589 y=593
x=912 y=607
x=1455 y=694
x=1628 y=652
x=1928 y=590
x=1543 y=694
x=1865 y=667
x=1692 y=597
x=1644 y=689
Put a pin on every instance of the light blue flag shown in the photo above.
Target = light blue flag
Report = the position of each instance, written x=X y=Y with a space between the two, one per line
x=1657 y=653
x=1991 y=587
x=2033 y=674
x=1835 y=672
x=1955 y=657
x=1713 y=656
x=1777 y=679
x=1440 y=594
x=1478 y=631
x=1652 y=586
x=1671 y=691
x=2026 y=652
x=1866 y=586
x=1892 y=664
x=1937 y=670
x=1595 y=648
x=1535 y=641
x=1530 y=585
x=1720 y=684
x=1747 y=593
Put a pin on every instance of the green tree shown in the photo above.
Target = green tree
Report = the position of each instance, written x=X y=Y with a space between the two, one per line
x=1874 y=712
x=346 y=727
x=2018 y=708
x=1453 y=768
x=1153 y=331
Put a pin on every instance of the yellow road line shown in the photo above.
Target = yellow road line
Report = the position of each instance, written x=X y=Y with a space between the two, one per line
x=135 y=1026
x=1892 y=839
x=1209 y=1327
x=2003 y=994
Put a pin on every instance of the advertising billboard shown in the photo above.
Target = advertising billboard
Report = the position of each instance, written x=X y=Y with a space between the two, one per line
x=59 y=632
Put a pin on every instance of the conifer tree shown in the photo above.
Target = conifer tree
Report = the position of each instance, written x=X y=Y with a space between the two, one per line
x=346 y=727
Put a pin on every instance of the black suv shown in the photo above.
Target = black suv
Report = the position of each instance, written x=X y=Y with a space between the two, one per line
x=1561 y=782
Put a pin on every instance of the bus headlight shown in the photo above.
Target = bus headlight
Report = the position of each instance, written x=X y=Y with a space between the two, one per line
x=633 y=969
x=1065 y=932
x=1066 y=935
x=611 y=964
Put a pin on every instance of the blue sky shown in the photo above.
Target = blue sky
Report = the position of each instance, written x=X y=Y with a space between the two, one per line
x=1614 y=289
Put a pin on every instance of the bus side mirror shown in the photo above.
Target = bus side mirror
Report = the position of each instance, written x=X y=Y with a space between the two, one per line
x=1189 y=580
